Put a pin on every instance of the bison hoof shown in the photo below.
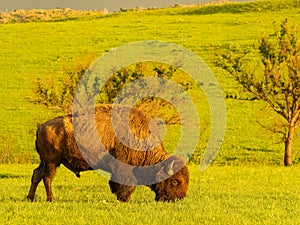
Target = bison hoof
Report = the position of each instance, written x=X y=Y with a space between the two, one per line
x=30 y=198
x=51 y=199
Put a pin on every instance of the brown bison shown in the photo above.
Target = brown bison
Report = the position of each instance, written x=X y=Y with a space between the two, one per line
x=130 y=161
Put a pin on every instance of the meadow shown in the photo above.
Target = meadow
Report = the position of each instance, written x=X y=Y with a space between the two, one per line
x=246 y=183
x=41 y=50
x=219 y=195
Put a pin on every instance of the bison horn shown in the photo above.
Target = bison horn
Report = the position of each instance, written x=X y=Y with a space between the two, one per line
x=170 y=169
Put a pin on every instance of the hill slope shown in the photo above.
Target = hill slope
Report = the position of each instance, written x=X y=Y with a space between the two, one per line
x=41 y=49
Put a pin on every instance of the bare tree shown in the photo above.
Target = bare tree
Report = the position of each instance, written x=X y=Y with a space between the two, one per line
x=275 y=79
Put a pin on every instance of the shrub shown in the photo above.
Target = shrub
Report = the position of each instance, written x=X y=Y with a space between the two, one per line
x=59 y=92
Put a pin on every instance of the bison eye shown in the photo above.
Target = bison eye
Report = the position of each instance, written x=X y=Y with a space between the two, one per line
x=175 y=182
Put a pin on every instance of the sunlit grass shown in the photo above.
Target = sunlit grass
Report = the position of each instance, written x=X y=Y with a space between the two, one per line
x=41 y=50
x=246 y=184
x=219 y=195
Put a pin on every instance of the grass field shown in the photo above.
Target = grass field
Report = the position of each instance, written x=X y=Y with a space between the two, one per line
x=246 y=184
x=219 y=195
x=41 y=49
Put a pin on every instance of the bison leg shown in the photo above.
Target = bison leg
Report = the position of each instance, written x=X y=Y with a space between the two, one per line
x=37 y=176
x=49 y=173
x=122 y=191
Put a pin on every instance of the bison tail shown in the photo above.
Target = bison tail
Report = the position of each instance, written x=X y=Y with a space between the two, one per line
x=36 y=143
x=36 y=146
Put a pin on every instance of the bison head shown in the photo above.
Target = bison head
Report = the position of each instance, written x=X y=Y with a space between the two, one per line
x=175 y=185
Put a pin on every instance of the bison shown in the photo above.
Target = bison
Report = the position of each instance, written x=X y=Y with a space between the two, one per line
x=129 y=166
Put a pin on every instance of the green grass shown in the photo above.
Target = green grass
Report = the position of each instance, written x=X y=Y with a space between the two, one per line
x=246 y=184
x=219 y=195
x=41 y=49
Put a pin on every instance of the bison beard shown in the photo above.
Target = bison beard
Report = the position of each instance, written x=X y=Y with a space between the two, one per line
x=56 y=145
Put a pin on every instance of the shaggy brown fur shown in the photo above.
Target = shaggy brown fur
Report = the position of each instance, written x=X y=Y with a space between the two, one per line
x=56 y=145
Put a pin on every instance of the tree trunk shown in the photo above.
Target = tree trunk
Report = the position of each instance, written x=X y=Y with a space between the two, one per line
x=289 y=145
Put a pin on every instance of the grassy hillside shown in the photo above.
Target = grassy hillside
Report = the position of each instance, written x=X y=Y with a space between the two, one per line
x=41 y=49
x=255 y=191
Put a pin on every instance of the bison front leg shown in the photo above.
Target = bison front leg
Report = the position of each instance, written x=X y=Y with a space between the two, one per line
x=37 y=176
x=122 y=191
x=49 y=173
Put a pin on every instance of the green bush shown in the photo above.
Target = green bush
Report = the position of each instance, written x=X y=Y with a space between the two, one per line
x=59 y=92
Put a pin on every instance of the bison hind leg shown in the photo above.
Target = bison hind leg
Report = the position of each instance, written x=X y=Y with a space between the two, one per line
x=49 y=172
x=37 y=176
x=123 y=192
